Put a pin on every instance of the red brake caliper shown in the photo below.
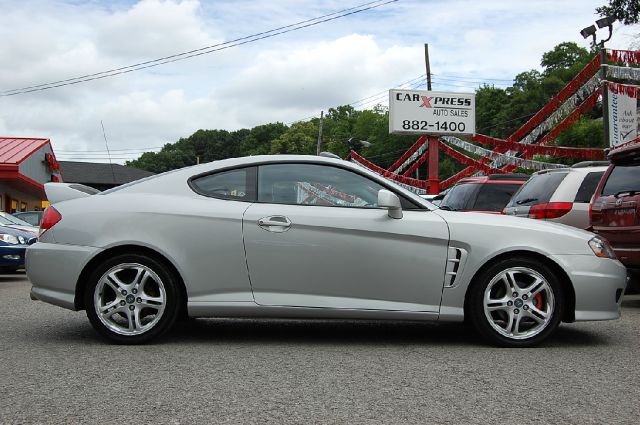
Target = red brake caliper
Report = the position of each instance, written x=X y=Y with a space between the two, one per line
x=537 y=301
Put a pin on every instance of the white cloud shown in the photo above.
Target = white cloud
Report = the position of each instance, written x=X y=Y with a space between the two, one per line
x=284 y=78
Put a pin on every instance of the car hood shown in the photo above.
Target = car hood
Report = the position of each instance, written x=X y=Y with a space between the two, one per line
x=497 y=232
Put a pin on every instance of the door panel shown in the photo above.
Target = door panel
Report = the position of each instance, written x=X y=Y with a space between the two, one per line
x=339 y=257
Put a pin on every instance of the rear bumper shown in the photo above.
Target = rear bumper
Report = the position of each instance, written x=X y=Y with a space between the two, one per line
x=53 y=270
x=599 y=284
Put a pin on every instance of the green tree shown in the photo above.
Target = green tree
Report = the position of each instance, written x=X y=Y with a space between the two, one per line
x=627 y=11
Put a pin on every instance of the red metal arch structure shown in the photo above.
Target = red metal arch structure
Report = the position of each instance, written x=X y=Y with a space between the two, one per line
x=578 y=97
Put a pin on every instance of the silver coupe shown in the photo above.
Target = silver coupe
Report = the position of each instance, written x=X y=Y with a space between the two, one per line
x=309 y=237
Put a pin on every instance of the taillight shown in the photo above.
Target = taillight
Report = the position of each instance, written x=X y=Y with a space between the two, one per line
x=550 y=210
x=595 y=215
x=49 y=218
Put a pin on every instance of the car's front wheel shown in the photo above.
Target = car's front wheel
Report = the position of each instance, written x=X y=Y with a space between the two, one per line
x=131 y=299
x=516 y=302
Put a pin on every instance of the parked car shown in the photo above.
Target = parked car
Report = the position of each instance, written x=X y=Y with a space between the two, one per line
x=488 y=194
x=8 y=220
x=13 y=243
x=615 y=212
x=561 y=195
x=31 y=217
x=309 y=237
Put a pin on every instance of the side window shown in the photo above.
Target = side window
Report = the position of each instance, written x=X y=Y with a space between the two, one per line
x=459 y=198
x=588 y=187
x=236 y=185
x=311 y=184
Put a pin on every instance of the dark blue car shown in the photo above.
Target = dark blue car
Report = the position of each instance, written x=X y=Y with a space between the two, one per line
x=13 y=244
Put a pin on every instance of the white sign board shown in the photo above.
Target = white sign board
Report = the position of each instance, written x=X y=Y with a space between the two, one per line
x=430 y=112
x=623 y=118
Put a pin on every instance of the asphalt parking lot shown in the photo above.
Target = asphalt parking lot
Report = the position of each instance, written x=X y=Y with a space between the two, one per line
x=55 y=369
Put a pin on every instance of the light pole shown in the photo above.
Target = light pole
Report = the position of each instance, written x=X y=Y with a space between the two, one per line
x=590 y=31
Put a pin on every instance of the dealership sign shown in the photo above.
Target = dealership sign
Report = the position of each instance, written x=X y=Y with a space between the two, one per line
x=429 y=112
x=623 y=117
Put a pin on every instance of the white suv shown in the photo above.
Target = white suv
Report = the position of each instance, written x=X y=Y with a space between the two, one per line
x=561 y=195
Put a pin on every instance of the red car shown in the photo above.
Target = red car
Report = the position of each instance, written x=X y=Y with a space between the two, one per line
x=488 y=194
x=615 y=211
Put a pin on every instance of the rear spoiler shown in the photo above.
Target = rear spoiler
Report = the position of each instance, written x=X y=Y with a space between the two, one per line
x=58 y=192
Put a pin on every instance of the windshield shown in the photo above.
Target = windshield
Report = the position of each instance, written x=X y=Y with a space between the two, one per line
x=538 y=189
x=6 y=218
x=623 y=178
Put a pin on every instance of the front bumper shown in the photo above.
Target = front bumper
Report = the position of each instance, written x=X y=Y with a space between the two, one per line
x=12 y=255
x=599 y=284
x=54 y=269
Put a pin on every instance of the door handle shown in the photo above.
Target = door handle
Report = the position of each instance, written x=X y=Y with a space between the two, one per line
x=275 y=223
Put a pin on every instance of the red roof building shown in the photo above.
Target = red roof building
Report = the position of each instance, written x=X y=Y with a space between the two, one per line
x=26 y=164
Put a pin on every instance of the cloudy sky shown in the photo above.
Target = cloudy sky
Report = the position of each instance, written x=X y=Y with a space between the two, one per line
x=288 y=77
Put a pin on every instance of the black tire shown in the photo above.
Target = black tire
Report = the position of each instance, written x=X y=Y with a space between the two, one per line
x=157 y=324
x=515 y=332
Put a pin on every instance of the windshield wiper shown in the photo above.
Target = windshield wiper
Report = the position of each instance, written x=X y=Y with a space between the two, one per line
x=524 y=201
x=630 y=192
x=446 y=208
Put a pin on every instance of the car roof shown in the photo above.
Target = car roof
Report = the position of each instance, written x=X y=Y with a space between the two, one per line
x=515 y=178
x=584 y=170
x=626 y=151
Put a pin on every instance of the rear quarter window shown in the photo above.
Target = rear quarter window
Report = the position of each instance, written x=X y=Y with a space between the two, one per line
x=588 y=187
x=538 y=189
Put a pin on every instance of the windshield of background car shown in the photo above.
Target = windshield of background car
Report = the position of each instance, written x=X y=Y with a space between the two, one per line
x=6 y=218
x=538 y=189
x=623 y=178
x=460 y=196
x=494 y=197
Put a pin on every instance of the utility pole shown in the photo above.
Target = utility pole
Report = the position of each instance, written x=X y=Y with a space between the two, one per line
x=320 y=133
x=433 y=147
x=426 y=62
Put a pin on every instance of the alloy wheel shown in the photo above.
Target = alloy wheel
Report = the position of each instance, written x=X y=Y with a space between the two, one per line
x=129 y=299
x=518 y=303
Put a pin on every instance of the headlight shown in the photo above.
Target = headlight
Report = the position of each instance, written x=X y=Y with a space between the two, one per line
x=601 y=248
x=10 y=239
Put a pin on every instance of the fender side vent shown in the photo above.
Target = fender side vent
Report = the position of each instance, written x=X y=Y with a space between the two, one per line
x=455 y=264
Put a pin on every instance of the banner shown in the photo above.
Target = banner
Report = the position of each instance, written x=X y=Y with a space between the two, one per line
x=623 y=113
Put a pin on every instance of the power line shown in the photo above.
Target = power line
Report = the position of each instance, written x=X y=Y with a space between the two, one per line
x=470 y=82
x=202 y=51
x=112 y=150
x=474 y=78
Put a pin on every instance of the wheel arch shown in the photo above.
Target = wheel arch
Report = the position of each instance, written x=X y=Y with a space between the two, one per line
x=564 y=279
x=126 y=249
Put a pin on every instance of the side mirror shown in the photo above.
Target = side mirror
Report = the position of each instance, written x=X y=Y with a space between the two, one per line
x=390 y=201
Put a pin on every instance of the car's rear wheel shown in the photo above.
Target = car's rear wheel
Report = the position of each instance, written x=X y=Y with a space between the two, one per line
x=516 y=303
x=131 y=299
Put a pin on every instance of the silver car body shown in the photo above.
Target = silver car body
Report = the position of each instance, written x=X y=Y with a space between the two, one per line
x=566 y=191
x=331 y=262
